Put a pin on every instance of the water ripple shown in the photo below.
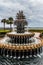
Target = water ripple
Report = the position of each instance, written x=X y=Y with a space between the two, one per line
x=28 y=61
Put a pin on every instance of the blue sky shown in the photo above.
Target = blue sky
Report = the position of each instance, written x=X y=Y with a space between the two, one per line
x=33 y=9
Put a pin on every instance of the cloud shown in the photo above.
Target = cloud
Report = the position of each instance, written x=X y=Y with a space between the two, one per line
x=33 y=9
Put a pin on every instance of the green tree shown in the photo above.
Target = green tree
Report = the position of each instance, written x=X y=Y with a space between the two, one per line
x=3 y=21
x=10 y=21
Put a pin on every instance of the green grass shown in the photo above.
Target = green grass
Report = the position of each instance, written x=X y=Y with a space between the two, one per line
x=33 y=30
x=2 y=31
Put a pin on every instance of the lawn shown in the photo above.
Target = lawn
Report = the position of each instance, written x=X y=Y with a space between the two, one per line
x=2 y=31
x=33 y=30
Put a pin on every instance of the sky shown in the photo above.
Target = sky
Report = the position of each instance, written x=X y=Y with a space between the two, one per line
x=33 y=10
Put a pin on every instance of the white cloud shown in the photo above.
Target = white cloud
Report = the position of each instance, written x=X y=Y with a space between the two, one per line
x=33 y=9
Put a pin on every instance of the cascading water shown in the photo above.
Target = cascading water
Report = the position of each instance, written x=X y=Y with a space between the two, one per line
x=7 y=52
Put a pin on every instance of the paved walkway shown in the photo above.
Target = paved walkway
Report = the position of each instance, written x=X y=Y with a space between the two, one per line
x=37 y=34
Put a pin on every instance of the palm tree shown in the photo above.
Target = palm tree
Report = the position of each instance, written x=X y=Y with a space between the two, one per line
x=10 y=21
x=20 y=22
x=4 y=21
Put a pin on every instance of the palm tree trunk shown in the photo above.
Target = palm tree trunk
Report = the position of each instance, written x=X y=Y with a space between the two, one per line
x=4 y=26
x=10 y=27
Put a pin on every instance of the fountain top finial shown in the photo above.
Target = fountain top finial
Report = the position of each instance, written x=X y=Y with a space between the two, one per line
x=20 y=22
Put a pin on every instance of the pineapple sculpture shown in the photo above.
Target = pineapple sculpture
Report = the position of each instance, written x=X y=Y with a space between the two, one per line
x=20 y=22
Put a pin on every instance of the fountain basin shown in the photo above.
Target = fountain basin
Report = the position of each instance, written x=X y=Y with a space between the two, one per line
x=20 y=38
x=20 y=46
x=13 y=34
x=20 y=50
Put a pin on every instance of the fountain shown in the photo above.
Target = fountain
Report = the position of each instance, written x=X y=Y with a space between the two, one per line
x=20 y=43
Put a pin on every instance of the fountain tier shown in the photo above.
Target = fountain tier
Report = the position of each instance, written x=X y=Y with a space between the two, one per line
x=20 y=38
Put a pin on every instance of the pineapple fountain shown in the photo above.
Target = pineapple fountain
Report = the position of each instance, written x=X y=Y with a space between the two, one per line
x=20 y=43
